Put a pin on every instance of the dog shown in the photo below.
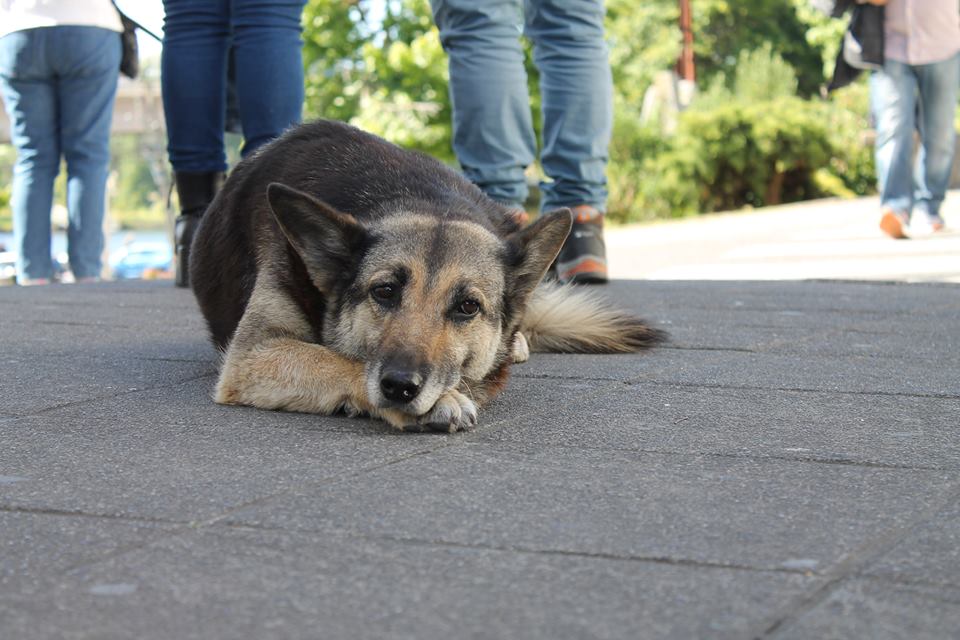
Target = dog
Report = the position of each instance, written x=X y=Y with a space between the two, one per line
x=339 y=272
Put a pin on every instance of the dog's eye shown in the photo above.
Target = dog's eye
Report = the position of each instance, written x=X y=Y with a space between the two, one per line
x=469 y=308
x=385 y=293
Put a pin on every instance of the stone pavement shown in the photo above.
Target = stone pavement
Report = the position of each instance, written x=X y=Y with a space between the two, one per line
x=834 y=239
x=787 y=467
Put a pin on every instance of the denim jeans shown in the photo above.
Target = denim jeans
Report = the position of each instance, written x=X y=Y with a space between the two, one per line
x=493 y=133
x=264 y=36
x=905 y=98
x=58 y=85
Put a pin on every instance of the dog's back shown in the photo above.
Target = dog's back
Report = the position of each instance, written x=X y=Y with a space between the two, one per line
x=352 y=171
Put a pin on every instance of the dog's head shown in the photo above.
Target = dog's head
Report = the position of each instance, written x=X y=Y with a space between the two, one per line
x=425 y=302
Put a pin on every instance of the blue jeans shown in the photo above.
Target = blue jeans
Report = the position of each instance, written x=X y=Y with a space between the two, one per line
x=264 y=36
x=905 y=98
x=493 y=133
x=58 y=84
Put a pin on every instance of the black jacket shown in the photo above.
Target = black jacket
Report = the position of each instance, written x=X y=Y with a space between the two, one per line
x=862 y=46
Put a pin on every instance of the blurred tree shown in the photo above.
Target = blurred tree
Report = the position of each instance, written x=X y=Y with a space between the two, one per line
x=724 y=28
x=388 y=78
x=135 y=187
x=644 y=38
x=404 y=93
x=822 y=32
x=334 y=34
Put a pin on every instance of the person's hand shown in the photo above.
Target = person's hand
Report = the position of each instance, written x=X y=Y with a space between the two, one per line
x=520 y=216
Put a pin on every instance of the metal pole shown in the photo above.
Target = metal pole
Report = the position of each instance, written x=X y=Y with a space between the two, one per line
x=685 y=66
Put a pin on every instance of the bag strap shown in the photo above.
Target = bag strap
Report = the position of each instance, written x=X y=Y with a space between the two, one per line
x=136 y=25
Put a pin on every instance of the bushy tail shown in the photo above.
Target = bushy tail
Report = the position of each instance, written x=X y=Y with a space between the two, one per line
x=573 y=319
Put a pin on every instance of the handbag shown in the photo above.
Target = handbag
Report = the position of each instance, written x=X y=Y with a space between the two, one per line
x=130 y=61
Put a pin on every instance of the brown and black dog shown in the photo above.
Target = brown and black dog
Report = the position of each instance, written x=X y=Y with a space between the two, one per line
x=340 y=272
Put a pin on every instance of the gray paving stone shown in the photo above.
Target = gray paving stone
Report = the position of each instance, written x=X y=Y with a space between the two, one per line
x=840 y=427
x=230 y=584
x=35 y=384
x=737 y=369
x=76 y=340
x=118 y=320
x=172 y=453
x=728 y=511
x=36 y=548
x=868 y=299
x=130 y=306
x=828 y=319
x=929 y=554
x=834 y=334
x=879 y=611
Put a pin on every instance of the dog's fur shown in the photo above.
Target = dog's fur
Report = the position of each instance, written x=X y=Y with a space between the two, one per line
x=340 y=272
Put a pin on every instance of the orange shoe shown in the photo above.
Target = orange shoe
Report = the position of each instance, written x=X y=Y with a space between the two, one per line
x=894 y=224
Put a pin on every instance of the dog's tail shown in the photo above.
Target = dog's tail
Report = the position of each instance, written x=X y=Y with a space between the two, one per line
x=570 y=319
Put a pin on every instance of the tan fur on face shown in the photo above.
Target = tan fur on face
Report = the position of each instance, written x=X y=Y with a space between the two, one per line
x=420 y=327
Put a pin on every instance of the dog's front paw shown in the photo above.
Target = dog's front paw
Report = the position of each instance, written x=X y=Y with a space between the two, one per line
x=452 y=412
x=521 y=348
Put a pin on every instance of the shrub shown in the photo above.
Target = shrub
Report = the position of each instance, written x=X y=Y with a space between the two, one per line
x=848 y=121
x=632 y=173
x=745 y=154
x=737 y=148
x=739 y=154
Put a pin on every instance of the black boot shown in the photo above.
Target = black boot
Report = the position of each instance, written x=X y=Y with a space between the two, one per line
x=196 y=191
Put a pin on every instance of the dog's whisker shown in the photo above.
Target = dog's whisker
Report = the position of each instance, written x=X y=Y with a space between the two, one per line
x=469 y=390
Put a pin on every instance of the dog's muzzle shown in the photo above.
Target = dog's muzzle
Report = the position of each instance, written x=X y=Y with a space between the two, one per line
x=400 y=386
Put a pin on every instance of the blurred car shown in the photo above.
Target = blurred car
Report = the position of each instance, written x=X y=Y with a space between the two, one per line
x=8 y=265
x=142 y=259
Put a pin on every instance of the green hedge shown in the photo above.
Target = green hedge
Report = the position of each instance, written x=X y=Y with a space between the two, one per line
x=739 y=154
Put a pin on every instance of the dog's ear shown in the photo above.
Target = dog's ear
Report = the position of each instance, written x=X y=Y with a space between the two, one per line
x=325 y=239
x=536 y=247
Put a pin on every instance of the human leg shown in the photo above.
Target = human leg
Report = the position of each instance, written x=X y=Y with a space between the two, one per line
x=269 y=64
x=86 y=60
x=576 y=88
x=492 y=126
x=893 y=91
x=938 y=85
x=193 y=71
x=29 y=94
x=577 y=93
x=193 y=77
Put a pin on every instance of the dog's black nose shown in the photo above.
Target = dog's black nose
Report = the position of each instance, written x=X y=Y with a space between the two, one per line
x=400 y=386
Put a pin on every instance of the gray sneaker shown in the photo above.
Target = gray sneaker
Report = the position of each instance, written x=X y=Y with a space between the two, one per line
x=583 y=257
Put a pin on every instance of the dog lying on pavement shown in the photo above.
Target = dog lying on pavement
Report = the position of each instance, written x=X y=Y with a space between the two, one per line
x=339 y=272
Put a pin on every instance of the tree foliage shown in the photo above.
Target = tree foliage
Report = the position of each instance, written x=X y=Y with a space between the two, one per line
x=724 y=28
x=386 y=73
x=644 y=39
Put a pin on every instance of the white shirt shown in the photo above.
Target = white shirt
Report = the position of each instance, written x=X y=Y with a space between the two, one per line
x=17 y=15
